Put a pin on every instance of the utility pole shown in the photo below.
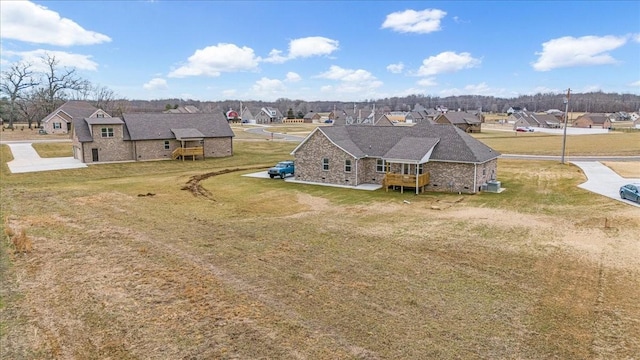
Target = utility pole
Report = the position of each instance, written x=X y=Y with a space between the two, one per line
x=566 y=116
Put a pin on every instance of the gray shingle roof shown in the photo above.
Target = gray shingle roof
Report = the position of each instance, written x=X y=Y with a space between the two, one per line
x=157 y=126
x=187 y=134
x=75 y=109
x=160 y=126
x=461 y=117
x=448 y=142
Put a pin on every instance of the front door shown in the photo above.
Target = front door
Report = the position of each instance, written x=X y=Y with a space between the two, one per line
x=94 y=155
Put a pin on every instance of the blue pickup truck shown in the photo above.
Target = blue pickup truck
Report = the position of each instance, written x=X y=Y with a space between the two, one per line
x=282 y=169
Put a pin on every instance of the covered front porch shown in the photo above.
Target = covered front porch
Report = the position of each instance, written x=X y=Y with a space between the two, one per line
x=415 y=181
x=191 y=141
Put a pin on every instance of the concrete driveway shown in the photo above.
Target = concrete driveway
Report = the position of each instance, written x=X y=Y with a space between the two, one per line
x=26 y=159
x=604 y=181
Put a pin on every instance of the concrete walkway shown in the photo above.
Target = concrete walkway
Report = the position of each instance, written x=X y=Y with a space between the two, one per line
x=604 y=181
x=26 y=159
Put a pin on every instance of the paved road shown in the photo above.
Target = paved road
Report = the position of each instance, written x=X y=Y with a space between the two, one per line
x=26 y=159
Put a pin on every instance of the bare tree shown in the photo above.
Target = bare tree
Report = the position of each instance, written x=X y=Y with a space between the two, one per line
x=13 y=82
x=58 y=81
x=32 y=107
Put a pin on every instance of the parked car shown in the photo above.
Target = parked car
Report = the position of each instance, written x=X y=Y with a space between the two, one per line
x=630 y=192
x=524 y=129
x=282 y=169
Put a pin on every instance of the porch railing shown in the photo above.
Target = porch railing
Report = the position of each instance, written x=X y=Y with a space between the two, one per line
x=188 y=151
x=403 y=181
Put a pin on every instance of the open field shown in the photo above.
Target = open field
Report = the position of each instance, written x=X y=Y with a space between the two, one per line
x=128 y=263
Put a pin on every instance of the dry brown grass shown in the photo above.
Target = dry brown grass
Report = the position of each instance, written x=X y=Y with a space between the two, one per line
x=626 y=169
x=287 y=271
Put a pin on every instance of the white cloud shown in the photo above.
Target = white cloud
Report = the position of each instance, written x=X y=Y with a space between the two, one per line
x=478 y=89
x=569 y=51
x=229 y=93
x=447 y=62
x=214 y=60
x=590 y=88
x=351 y=81
x=293 y=77
x=26 y=21
x=266 y=86
x=395 y=68
x=64 y=59
x=635 y=83
x=156 y=84
x=412 y=21
x=474 y=89
x=427 y=82
x=636 y=38
x=304 y=47
x=275 y=57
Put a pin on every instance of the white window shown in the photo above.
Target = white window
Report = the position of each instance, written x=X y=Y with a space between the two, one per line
x=347 y=165
x=382 y=166
x=106 y=132
x=57 y=125
x=166 y=145
x=325 y=164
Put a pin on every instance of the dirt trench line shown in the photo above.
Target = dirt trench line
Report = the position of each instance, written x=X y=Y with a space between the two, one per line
x=194 y=186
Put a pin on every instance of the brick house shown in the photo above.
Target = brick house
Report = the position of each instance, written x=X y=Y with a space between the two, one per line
x=593 y=120
x=466 y=121
x=525 y=118
x=427 y=157
x=60 y=120
x=151 y=136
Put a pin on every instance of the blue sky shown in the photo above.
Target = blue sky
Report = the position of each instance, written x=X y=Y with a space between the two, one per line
x=331 y=50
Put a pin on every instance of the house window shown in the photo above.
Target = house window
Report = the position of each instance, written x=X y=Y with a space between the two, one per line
x=166 y=145
x=347 y=165
x=107 y=132
x=382 y=166
x=406 y=169
x=420 y=169
x=99 y=115
x=57 y=125
x=325 y=164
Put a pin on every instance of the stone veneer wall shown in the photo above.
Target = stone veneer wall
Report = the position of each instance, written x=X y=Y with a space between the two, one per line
x=444 y=176
x=109 y=149
x=458 y=177
x=309 y=157
x=57 y=118
x=218 y=147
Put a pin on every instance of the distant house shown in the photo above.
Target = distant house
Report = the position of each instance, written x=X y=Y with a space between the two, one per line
x=593 y=120
x=634 y=116
x=515 y=109
x=530 y=119
x=151 y=136
x=467 y=122
x=61 y=119
x=246 y=115
x=432 y=157
x=359 y=117
x=311 y=117
x=269 y=115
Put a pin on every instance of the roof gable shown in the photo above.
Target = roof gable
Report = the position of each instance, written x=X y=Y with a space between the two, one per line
x=441 y=142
